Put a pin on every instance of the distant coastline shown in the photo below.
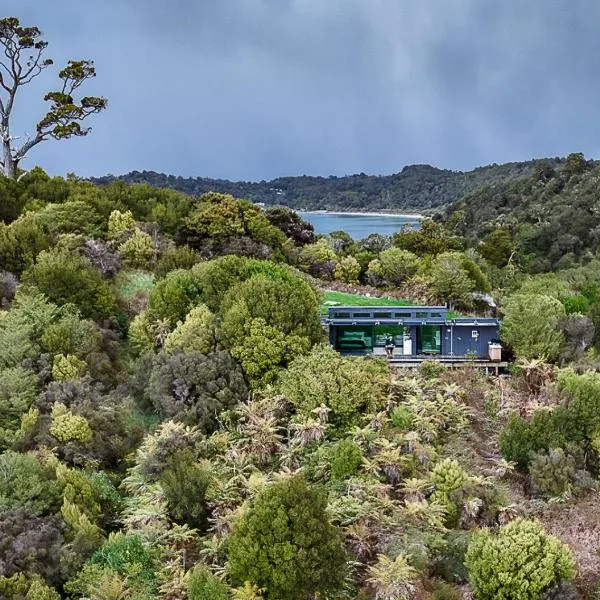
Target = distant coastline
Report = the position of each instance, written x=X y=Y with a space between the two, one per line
x=362 y=214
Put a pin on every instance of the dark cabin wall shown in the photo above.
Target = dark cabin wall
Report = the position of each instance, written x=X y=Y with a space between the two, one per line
x=464 y=343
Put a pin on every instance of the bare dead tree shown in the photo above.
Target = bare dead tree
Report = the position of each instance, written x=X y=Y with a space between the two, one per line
x=24 y=59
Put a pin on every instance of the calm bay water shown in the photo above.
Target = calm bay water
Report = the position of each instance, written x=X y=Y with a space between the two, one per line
x=358 y=225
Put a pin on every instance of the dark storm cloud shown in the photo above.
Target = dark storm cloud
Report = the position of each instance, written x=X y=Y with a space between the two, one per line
x=252 y=89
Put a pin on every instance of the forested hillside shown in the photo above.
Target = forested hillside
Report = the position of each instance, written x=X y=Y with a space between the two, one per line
x=416 y=187
x=175 y=426
x=550 y=219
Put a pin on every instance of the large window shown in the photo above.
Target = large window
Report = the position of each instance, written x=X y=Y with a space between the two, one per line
x=382 y=332
x=429 y=339
x=354 y=338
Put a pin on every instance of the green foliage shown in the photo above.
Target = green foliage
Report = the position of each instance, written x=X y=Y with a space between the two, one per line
x=71 y=217
x=402 y=418
x=40 y=591
x=291 y=305
x=450 y=281
x=395 y=578
x=67 y=367
x=552 y=472
x=497 y=247
x=21 y=242
x=285 y=544
x=393 y=266
x=138 y=249
x=172 y=259
x=196 y=334
x=68 y=427
x=520 y=439
x=203 y=585
x=120 y=222
x=346 y=460
x=530 y=326
x=431 y=238
x=444 y=591
x=25 y=482
x=122 y=562
x=517 y=563
x=173 y=297
x=184 y=483
x=67 y=278
x=194 y=388
x=347 y=270
x=219 y=217
x=264 y=350
x=347 y=386
x=18 y=387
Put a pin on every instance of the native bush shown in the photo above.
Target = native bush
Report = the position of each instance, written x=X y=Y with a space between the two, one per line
x=195 y=388
x=552 y=472
x=138 y=249
x=172 y=259
x=173 y=297
x=291 y=305
x=25 y=482
x=184 y=483
x=31 y=544
x=518 y=562
x=520 y=439
x=285 y=544
x=203 y=585
x=264 y=350
x=346 y=460
x=350 y=387
x=67 y=278
x=198 y=333
x=530 y=325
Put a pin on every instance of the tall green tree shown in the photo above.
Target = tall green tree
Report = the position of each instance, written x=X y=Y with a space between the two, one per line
x=25 y=59
x=531 y=325
x=285 y=544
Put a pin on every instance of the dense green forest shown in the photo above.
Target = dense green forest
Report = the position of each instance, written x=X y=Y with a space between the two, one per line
x=416 y=187
x=174 y=425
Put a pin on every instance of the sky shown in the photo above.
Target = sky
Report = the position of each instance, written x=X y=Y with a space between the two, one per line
x=256 y=89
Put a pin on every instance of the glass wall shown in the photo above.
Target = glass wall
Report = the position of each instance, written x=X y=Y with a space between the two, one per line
x=429 y=339
x=382 y=331
x=354 y=338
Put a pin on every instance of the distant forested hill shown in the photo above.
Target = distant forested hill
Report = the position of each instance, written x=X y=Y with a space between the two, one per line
x=416 y=187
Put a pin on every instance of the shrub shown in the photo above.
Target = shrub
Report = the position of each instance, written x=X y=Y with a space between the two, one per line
x=31 y=544
x=518 y=562
x=552 y=472
x=173 y=297
x=346 y=460
x=25 y=482
x=120 y=222
x=195 y=388
x=348 y=386
x=520 y=438
x=264 y=350
x=70 y=279
x=347 y=270
x=184 y=483
x=138 y=250
x=196 y=334
x=402 y=418
x=285 y=544
x=203 y=585
x=291 y=305
x=176 y=258
x=67 y=367
x=445 y=591
x=530 y=326
x=68 y=427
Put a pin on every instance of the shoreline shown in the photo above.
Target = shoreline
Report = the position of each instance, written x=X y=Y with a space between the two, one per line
x=361 y=214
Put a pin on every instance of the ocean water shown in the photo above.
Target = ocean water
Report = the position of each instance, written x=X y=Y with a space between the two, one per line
x=359 y=225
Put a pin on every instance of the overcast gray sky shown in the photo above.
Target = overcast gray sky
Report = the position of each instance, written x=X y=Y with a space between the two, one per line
x=255 y=89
